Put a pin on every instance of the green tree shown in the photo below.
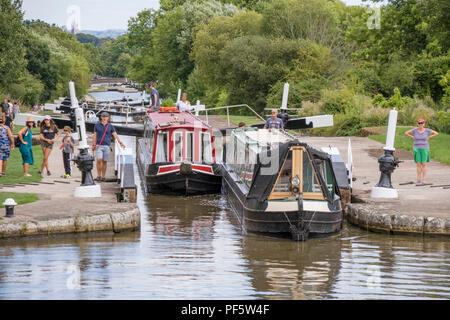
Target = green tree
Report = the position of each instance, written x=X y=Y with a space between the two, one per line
x=116 y=56
x=12 y=51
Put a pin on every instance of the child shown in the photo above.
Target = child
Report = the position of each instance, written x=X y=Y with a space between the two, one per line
x=67 y=151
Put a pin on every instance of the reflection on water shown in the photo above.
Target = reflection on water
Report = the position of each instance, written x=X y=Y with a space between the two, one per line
x=192 y=248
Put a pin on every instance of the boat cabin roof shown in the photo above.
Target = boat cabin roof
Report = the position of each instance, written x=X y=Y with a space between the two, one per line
x=176 y=120
x=257 y=138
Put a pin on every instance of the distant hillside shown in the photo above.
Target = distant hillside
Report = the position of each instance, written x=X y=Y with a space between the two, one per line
x=111 y=33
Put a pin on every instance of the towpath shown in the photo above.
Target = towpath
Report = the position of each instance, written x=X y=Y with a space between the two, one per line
x=58 y=211
x=419 y=209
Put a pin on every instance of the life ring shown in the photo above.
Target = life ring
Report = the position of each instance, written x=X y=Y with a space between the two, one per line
x=168 y=109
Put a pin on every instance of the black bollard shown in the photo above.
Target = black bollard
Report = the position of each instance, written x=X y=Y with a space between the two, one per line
x=85 y=163
x=388 y=163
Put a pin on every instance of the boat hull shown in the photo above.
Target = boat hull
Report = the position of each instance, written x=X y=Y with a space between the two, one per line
x=169 y=178
x=318 y=224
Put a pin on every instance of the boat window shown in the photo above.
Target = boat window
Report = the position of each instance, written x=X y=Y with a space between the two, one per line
x=230 y=151
x=327 y=174
x=151 y=141
x=283 y=183
x=190 y=146
x=206 y=147
x=178 y=146
x=297 y=164
x=162 y=147
x=310 y=182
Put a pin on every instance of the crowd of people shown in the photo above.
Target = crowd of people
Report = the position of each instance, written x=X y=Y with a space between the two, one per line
x=48 y=136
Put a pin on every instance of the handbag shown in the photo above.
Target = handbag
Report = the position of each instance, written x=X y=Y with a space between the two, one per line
x=17 y=142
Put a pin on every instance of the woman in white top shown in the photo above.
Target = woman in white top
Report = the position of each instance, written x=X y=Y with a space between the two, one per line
x=184 y=105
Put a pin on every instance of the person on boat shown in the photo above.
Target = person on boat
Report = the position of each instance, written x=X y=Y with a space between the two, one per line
x=154 y=98
x=274 y=122
x=421 y=148
x=49 y=134
x=101 y=143
x=184 y=105
x=6 y=145
x=26 y=139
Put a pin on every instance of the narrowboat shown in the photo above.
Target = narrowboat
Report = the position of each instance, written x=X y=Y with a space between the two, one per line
x=176 y=154
x=279 y=185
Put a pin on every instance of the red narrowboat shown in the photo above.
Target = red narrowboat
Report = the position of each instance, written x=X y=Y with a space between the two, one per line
x=176 y=155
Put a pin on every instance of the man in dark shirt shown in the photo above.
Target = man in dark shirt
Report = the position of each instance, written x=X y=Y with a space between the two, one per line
x=154 y=98
x=101 y=143
x=5 y=106
x=274 y=122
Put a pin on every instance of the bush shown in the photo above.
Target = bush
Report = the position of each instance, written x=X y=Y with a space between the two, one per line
x=396 y=101
x=310 y=109
x=375 y=116
x=414 y=110
x=167 y=103
x=28 y=89
x=336 y=101
x=441 y=122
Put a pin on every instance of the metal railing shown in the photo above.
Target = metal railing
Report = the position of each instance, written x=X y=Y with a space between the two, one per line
x=228 y=111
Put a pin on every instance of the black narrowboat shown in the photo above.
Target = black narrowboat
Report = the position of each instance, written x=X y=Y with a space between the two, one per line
x=279 y=185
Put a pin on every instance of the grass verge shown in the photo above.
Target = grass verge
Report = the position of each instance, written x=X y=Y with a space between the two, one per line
x=14 y=170
x=17 y=128
x=439 y=146
x=20 y=198
x=235 y=119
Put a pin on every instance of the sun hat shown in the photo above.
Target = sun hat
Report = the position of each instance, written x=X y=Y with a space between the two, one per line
x=30 y=119
x=47 y=117
x=67 y=128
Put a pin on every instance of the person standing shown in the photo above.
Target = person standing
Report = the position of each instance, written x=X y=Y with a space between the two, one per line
x=10 y=107
x=67 y=147
x=49 y=134
x=184 y=105
x=274 y=122
x=9 y=121
x=26 y=140
x=101 y=144
x=155 y=103
x=6 y=145
x=16 y=110
x=5 y=106
x=421 y=148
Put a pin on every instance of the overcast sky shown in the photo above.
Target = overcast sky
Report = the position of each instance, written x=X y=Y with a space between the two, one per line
x=94 y=14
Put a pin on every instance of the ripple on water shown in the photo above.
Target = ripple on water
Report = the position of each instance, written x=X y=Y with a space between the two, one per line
x=193 y=248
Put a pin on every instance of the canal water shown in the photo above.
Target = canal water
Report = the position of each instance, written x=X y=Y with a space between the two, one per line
x=194 y=248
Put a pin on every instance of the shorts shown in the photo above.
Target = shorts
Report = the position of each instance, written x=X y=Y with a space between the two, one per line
x=103 y=153
x=421 y=155
x=5 y=152
x=46 y=145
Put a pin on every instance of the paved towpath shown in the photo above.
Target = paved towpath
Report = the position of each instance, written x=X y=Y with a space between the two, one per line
x=419 y=209
x=58 y=211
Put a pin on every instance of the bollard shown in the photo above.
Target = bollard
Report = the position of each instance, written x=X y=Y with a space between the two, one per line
x=387 y=163
x=9 y=206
